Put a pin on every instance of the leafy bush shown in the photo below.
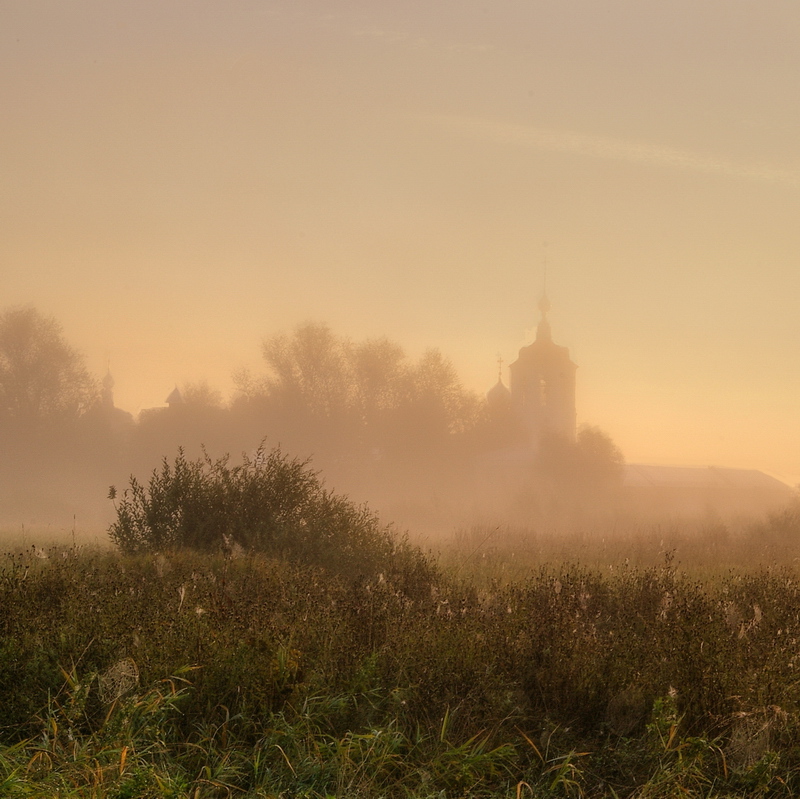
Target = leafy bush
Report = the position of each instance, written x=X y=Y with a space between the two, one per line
x=271 y=504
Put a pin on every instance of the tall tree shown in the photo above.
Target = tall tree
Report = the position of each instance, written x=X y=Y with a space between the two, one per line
x=331 y=394
x=42 y=378
x=582 y=474
x=310 y=369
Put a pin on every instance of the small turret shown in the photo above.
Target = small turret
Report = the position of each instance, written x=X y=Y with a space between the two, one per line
x=175 y=398
x=498 y=396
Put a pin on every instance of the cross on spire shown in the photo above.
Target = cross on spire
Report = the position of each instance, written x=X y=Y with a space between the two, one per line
x=544 y=302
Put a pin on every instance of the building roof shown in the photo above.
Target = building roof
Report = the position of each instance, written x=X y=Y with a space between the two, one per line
x=498 y=393
x=640 y=475
x=175 y=397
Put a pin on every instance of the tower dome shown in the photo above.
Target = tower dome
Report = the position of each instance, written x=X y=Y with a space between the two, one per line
x=498 y=396
x=543 y=385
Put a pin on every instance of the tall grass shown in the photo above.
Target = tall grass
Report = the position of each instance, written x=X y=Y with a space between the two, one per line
x=702 y=546
x=184 y=674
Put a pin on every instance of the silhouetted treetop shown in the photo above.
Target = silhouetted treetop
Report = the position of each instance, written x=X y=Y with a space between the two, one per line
x=200 y=394
x=593 y=462
x=42 y=378
x=311 y=369
x=368 y=385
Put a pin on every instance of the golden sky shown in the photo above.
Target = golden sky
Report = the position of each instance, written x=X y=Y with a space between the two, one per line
x=181 y=178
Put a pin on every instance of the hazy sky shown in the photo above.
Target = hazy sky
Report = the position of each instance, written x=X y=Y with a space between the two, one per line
x=180 y=179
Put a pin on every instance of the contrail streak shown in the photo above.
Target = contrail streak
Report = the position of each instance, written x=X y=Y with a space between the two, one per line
x=608 y=148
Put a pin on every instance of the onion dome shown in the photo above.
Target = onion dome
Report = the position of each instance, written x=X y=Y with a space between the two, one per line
x=498 y=395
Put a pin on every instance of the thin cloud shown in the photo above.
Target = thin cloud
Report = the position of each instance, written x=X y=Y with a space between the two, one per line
x=404 y=37
x=608 y=148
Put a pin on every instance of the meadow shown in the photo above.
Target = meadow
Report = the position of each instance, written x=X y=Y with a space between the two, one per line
x=510 y=663
x=188 y=674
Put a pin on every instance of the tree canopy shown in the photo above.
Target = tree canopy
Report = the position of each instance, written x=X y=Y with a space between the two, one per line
x=369 y=390
x=42 y=378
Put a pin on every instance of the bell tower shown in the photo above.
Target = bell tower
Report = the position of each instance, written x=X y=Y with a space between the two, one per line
x=542 y=385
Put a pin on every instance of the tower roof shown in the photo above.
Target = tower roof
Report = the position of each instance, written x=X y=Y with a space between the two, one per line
x=175 y=397
x=498 y=393
x=543 y=349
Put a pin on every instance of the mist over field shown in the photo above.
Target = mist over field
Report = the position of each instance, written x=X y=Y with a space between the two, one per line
x=399 y=399
x=181 y=180
x=506 y=471
x=554 y=622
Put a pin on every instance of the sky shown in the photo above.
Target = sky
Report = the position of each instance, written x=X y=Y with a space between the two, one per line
x=181 y=179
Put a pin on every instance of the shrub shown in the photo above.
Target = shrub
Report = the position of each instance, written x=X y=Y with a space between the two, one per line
x=271 y=504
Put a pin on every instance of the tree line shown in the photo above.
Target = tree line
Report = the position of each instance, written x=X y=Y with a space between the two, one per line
x=378 y=424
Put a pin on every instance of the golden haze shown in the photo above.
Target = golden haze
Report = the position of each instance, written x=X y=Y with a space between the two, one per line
x=180 y=180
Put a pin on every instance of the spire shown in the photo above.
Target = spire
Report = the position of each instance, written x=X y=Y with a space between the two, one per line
x=543 y=328
x=107 y=393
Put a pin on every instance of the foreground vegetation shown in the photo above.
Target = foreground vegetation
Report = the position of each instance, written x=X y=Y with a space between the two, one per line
x=703 y=547
x=185 y=674
x=256 y=635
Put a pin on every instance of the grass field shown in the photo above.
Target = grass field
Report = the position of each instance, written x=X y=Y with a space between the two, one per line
x=502 y=669
x=703 y=547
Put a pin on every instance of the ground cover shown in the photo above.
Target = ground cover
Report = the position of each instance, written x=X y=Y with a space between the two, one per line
x=196 y=674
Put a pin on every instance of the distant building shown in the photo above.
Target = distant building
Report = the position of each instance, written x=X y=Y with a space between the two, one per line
x=539 y=404
x=107 y=391
x=541 y=397
x=104 y=412
x=175 y=398
x=105 y=425
x=543 y=385
x=173 y=401
x=686 y=490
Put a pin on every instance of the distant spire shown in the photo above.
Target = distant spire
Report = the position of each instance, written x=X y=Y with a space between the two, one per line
x=499 y=368
x=543 y=328
x=544 y=304
x=107 y=393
